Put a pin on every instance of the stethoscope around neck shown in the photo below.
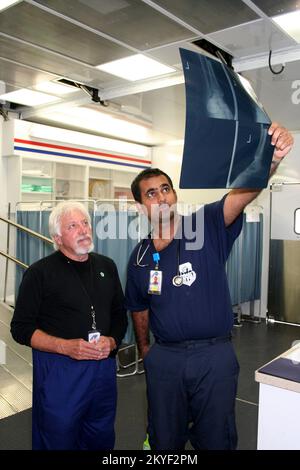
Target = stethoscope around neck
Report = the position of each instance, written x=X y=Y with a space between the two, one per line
x=177 y=280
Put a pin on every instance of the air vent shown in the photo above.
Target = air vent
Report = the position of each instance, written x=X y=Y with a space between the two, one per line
x=92 y=92
x=66 y=82
x=215 y=51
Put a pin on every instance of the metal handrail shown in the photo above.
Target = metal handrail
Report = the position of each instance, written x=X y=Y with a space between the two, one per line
x=15 y=260
x=27 y=230
x=136 y=362
x=12 y=258
x=7 y=251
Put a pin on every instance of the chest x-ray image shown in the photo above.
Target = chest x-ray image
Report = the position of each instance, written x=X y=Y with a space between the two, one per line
x=226 y=134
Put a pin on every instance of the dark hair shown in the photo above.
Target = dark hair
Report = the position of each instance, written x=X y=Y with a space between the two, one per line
x=145 y=175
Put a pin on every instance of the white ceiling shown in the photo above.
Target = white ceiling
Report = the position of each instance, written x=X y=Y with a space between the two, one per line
x=52 y=39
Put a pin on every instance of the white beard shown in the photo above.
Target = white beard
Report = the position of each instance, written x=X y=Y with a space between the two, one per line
x=84 y=249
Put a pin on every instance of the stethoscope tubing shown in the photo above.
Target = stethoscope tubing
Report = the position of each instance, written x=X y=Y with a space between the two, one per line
x=177 y=279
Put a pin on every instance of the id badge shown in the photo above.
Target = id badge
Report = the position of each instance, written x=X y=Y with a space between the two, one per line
x=155 y=282
x=94 y=336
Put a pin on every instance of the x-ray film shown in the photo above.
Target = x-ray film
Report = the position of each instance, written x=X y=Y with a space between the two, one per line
x=226 y=134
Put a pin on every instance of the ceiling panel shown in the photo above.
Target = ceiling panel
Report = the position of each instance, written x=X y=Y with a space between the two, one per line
x=49 y=62
x=277 y=7
x=252 y=38
x=21 y=76
x=207 y=15
x=130 y=21
x=276 y=92
x=41 y=28
x=68 y=37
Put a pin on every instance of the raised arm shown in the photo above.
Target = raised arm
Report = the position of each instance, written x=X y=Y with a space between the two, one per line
x=237 y=199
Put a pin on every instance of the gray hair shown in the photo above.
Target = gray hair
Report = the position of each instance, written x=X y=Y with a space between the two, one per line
x=63 y=208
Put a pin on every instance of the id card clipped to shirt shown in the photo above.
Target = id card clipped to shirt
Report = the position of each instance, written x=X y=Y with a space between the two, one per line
x=155 y=282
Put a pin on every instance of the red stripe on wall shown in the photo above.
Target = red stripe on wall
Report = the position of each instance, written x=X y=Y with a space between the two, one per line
x=74 y=149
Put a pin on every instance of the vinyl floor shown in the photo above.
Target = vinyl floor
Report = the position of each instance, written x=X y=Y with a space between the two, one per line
x=255 y=345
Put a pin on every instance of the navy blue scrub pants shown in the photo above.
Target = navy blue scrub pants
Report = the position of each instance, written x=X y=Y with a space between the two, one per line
x=191 y=389
x=74 y=403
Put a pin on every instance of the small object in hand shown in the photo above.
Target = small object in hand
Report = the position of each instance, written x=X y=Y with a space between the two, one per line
x=94 y=336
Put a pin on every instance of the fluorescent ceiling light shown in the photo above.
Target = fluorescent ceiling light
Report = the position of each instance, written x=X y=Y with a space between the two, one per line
x=96 y=121
x=135 y=67
x=28 y=97
x=290 y=23
x=66 y=136
x=175 y=143
x=55 y=88
x=7 y=3
x=174 y=158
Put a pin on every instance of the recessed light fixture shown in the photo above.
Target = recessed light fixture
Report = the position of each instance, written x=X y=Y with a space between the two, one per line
x=7 y=3
x=135 y=67
x=92 y=120
x=28 y=97
x=290 y=23
x=93 y=141
x=55 y=88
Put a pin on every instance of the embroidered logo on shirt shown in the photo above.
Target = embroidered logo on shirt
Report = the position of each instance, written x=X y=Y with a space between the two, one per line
x=187 y=273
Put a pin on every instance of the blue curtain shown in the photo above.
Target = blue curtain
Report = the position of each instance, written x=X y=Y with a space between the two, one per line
x=111 y=239
x=245 y=263
x=28 y=248
x=116 y=244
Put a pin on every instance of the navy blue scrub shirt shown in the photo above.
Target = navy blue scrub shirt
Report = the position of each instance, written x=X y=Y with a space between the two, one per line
x=196 y=311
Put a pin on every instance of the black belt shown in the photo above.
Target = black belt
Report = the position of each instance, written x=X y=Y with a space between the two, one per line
x=191 y=342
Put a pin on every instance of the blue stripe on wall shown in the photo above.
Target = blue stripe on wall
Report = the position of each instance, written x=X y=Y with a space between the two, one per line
x=68 y=155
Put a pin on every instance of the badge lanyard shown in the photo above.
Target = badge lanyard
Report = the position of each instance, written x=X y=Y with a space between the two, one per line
x=94 y=334
x=155 y=280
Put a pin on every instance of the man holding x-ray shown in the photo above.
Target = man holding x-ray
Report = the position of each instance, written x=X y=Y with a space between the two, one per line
x=191 y=369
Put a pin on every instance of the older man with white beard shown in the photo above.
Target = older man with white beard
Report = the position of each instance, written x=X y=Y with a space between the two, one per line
x=70 y=312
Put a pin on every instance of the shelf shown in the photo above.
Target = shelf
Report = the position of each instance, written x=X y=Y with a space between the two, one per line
x=122 y=186
x=69 y=179
x=62 y=198
x=40 y=177
x=44 y=180
x=37 y=192
x=100 y=178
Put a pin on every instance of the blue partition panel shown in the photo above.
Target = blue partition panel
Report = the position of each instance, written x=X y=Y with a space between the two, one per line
x=243 y=265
